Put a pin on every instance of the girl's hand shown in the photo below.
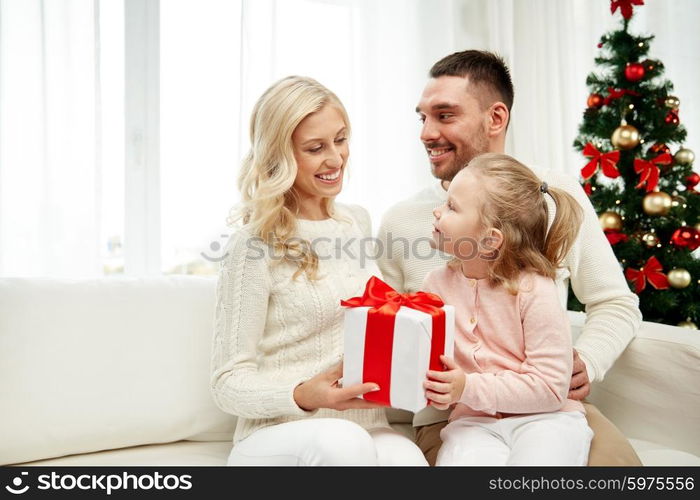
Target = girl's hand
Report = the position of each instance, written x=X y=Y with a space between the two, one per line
x=442 y=389
x=322 y=391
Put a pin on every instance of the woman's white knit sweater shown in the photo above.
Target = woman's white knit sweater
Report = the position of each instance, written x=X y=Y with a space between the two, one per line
x=273 y=333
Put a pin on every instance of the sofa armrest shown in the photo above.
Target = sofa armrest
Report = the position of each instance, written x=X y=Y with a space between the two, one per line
x=653 y=390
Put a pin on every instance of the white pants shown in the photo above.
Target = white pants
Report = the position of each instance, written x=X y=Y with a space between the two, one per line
x=325 y=441
x=561 y=438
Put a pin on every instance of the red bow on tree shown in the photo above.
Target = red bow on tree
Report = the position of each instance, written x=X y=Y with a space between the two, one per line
x=616 y=94
x=615 y=237
x=649 y=171
x=652 y=271
x=607 y=162
x=625 y=6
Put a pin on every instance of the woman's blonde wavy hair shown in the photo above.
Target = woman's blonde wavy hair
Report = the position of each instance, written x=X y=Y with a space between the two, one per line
x=513 y=203
x=269 y=203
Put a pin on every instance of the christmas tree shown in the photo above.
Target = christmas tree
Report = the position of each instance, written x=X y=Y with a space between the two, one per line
x=639 y=176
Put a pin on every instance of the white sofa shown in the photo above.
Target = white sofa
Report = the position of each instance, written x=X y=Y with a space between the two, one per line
x=115 y=371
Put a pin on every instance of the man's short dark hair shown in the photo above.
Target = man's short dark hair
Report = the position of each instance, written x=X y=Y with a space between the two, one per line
x=482 y=68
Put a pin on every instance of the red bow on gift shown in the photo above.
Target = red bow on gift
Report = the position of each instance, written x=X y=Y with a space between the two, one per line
x=607 y=162
x=379 y=340
x=649 y=171
x=614 y=93
x=652 y=272
x=625 y=6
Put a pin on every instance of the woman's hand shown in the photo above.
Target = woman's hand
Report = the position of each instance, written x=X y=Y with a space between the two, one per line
x=322 y=391
x=445 y=388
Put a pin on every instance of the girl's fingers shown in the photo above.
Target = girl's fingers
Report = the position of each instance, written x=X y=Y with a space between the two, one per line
x=437 y=397
x=440 y=376
x=448 y=362
x=440 y=387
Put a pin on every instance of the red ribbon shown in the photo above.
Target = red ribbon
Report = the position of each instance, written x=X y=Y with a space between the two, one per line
x=379 y=335
x=625 y=6
x=614 y=93
x=615 y=237
x=652 y=272
x=607 y=162
x=649 y=171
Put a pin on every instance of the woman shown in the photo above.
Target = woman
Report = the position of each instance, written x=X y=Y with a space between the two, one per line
x=278 y=340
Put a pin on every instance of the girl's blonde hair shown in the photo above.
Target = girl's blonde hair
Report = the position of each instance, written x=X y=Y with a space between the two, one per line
x=269 y=203
x=513 y=202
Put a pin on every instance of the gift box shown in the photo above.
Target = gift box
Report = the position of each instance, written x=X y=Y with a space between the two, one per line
x=393 y=339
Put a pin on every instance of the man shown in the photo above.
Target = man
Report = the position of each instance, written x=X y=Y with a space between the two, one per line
x=465 y=109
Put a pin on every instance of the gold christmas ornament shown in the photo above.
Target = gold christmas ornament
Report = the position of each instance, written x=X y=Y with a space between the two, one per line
x=650 y=239
x=610 y=221
x=688 y=324
x=684 y=156
x=657 y=203
x=672 y=102
x=625 y=137
x=679 y=278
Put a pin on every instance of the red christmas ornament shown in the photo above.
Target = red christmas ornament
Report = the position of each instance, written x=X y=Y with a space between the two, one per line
x=686 y=237
x=607 y=162
x=600 y=45
x=634 y=71
x=587 y=188
x=672 y=118
x=625 y=6
x=595 y=101
x=652 y=271
x=660 y=148
x=692 y=180
x=615 y=237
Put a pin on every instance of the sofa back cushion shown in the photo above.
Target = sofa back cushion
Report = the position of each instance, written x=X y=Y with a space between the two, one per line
x=88 y=365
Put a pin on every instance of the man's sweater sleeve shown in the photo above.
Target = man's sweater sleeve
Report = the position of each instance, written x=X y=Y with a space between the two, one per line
x=243 y=291
x=390 y=253
x=542 y=382
x=612 y=310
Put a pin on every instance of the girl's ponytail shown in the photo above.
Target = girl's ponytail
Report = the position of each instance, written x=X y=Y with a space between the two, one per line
x=567 y=222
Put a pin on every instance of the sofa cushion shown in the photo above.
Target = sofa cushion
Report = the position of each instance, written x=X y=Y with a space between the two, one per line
x=651 y=392
x=654 y=454
x=170 y=454
x=89 y=365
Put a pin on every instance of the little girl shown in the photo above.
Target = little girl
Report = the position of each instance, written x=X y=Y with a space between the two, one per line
x=510 y=376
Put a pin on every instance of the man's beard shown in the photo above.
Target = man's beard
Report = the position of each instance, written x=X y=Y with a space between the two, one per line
x=470 y=151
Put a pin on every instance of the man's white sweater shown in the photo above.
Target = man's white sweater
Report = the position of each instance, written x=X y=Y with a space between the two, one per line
x=612 y=312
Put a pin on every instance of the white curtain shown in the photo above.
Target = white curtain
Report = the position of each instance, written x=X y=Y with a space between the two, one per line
x=550 y=46
x=376 y=55
x=62 y=121
x=49 y=176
